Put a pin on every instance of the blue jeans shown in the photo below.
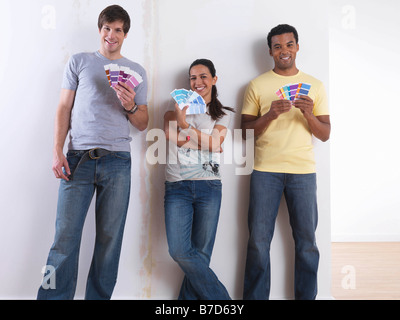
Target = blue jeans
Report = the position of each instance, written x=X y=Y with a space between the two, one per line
x=266 y=191
x=110 y=177
x=191 y=218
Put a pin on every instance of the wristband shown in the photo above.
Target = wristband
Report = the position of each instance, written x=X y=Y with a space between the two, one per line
x=133 y=110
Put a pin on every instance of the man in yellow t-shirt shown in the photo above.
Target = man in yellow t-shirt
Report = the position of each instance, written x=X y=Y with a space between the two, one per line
x=284 y=163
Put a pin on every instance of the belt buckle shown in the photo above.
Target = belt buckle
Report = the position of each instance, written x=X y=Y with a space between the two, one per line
x=93 y=157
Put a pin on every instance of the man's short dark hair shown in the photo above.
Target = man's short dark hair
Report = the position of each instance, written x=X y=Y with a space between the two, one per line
x=281 y=29
x=114 y=13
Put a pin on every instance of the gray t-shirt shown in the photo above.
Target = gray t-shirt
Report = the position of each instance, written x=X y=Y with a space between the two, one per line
x=98 y=118
x=192 y=164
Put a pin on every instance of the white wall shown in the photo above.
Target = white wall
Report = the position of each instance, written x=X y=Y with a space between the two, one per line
x=166 y=37
x=364 y=65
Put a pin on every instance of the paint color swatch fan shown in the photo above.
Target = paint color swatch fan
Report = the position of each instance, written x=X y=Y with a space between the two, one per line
x=293 y=91
x=189 y=98
x=116 y=73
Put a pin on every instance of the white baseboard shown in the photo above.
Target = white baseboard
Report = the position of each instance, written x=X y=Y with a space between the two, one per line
x=365 y=237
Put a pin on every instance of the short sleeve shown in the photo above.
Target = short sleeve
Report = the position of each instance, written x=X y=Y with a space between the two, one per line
x=321 y=107
x=251 y=104
x=71 y=75
x=141 y=91
x=225 y=120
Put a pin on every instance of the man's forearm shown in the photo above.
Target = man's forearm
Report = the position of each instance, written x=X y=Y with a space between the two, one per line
x=320 y=127
x=258 y=124
x=140 y=118
x=61 y=127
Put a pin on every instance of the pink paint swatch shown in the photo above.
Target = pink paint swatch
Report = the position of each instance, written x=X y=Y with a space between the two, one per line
x=116 y=73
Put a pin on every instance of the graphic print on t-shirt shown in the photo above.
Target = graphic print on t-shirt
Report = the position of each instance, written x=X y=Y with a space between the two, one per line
x=198 y=163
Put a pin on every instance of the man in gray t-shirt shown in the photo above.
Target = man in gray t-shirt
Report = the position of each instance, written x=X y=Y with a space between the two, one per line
x=97 y=118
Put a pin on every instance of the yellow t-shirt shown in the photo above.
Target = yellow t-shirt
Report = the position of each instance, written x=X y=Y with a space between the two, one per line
x=286 y=145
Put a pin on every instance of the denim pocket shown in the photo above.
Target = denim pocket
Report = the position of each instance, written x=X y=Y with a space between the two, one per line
x=173 y=185
x=75 y=153
x=214 y=184
x=73 y=158
x=122 y=155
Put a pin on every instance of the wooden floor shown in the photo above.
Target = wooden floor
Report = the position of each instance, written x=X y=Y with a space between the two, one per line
x=366 y=271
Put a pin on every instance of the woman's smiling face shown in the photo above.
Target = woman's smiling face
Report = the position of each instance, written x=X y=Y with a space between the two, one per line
x=201 y=81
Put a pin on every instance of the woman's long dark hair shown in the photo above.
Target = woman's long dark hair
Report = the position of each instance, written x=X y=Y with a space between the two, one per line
x=215 y=107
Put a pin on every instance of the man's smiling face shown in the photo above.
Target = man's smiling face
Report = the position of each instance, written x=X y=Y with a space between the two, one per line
x=112 y=37
x=284 y=50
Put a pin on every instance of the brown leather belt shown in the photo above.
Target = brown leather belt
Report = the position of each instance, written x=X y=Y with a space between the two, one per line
x=92 y=154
